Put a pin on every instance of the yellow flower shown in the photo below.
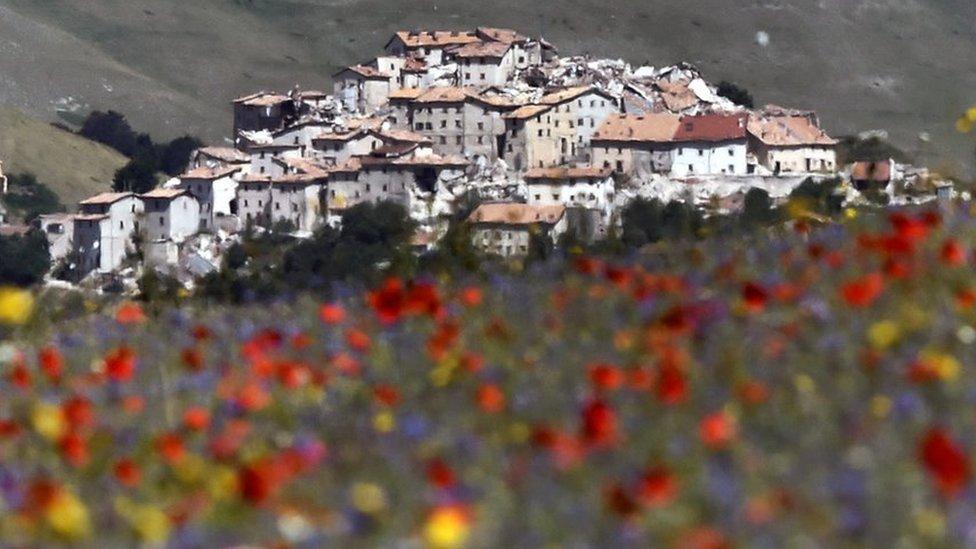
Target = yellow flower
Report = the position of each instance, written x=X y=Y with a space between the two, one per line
x=964 y=125
x=446 y=527
x=971 y=114
x=945 y=365
x=68 y=516
x=368 y=497
x=519 y=432
x=222 y=483
x=930 y=522
x=804 y=383
x=15 y=305
x=384 y=422
x=48 y=421
x=150 y=523
x=850 y=213
x=884 y=334
x=880 y=406
x=191 y=469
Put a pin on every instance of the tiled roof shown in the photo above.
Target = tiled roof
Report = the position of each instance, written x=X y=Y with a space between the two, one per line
x=204 y=172
x=225 y=154
x=568 y=94
x=711 y=128
x=404 y=136
x=506 y=36
x=160 y=192
x=105 y=198
x=262 y=99
x=435 y=38
x=511 y=213
x=442 y=95
x=588 y=172
x=645 y=128
x=527 y=111
x=495 y=50
x=367 y=72
x=788 y=130
x=406 y=93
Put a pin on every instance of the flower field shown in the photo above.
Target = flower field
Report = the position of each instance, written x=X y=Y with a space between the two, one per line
x=810 y=388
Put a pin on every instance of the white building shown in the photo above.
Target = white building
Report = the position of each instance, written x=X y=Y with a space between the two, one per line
x=428 y=46
x=170 y=214
x=219 y=157
x=484 y=63
x=710 y=144
x=362 y=88
x=294 y=198
x=104 y=230
x=506 y=228
x=786 y=142
x=587 y=188
x=215 y=190
x=60 y=231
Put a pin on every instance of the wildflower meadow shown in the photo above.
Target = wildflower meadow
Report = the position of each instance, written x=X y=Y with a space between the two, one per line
x=808 y=387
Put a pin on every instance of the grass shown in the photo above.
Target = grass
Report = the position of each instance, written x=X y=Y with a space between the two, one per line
x=71 y=166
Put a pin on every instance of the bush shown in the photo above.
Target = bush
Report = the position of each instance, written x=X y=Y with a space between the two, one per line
x=111 y=129
x=757 y=208
x=24 y=260
x=739 y=96
x=28 y=198
x=138 y=176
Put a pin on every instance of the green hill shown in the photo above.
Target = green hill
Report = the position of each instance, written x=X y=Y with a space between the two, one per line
x=71 y=166
x=905 y=66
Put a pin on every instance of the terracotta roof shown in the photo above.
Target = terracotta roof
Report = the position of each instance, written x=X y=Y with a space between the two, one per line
x=332 y=135
x=588 y=172
x=506 y=36
x=415 y=160
x=105 y=198
x=256 y=178
x=91 y=217
x=204 y=172
x=414 y=65
x=406 y=93
x=352 y=165
x=366 y=72
x=304 y=166
x=298 y=179
x=225 y=154
x=435 y=38
x=494 y=50
x=645 y=128
x=873 y=171
x=262 y=99
x=788 y=130
x=568 y=94
x=403 y=136
x=510 y=213
x=442 y=95
x=497 y=100
x=527 y=111
x=160 y=192
x=711 y=128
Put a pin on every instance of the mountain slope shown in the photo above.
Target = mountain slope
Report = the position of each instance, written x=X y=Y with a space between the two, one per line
x=905 y=66
x=71 y=166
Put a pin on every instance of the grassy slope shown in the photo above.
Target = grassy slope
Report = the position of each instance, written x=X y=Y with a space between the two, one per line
x=901 y=65
x=71 y=166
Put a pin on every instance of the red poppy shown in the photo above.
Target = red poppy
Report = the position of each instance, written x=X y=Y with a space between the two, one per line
x=386 y=395
x=130 y=313
x=346 y=364
x=252 y=397
x=599 y=423
x=20 y=376
x=292 y=374
x=755 y=297
x=606 y=377
x=952 y=253
x=619 y=501
x=443 y=339
x=51 y=364
x=657 y=487
x=78 y=412
x=74 y=449
x=9 y=428
x=120 y=364
x=490 y=398
x=672 y=387
x=388 y=301
x=472 y=362
x=945 y=461
x=909 y=228
x=863 y=291
x=257 y=483
x=439 y=474
x=717 y=430
x=192 y=358
x=358 y=340
x=472 y=296
x=196 y=418
x=332 y=313
x=753 y=392
x=423 y=299
x=127 y=473
x=170 y=446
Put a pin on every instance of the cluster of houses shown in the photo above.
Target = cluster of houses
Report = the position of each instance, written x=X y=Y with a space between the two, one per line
x=546 y=143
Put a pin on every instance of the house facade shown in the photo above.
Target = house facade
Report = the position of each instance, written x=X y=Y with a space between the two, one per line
x=710 y=144
x=104 y=229
x=169 y=215
x=361 y=88
x=636 y=144
x=505 y=229
x=215 y=192
x=788 y=142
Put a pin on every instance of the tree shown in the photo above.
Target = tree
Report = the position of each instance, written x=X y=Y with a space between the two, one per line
x=641 y=221
x=175 y=156
x=455 y=251
x=24 y=260
x=29 y=198
x=757 y=208
x=680 y=220
x=112 y=129
x=732 y=92
x=138 y=176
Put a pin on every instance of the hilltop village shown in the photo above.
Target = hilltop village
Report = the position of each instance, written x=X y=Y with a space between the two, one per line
x=488 y=120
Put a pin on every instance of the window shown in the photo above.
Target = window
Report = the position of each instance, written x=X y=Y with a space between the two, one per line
x=430 y=126
x=419 y=125
x=296 y=139
x=161 y=223
x=701 y=152
x=540 y=133
x=245 y=203
x=481 y=140
x=443 y=123
x=260 y=203
x=277 y=205
x=481 y=125
x=457 y=123
x=620 y=166
x=731 y=153
x=368 y=187
x=384 y=188
x=294 y=207
x=457 y=140
x=443 y=140
x=731 y=168
x=483 y=76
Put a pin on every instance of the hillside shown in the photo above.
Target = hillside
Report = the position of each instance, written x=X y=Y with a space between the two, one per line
x=71 y=166
x=900 y=65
